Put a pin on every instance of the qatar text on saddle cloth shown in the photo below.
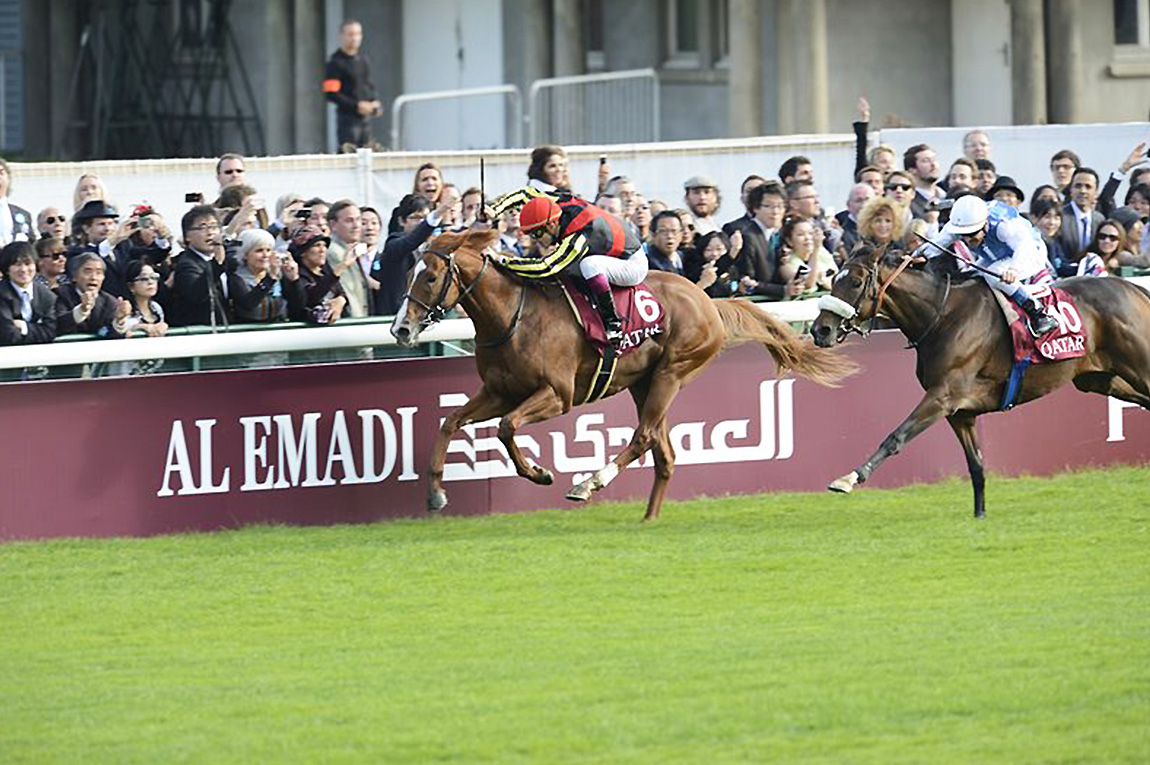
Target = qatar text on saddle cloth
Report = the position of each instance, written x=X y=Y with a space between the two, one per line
x=641 y=311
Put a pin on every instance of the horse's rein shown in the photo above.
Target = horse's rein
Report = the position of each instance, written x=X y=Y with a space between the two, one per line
x=437 y=310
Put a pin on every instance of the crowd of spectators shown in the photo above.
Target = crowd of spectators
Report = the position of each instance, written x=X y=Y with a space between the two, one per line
x=118 y=273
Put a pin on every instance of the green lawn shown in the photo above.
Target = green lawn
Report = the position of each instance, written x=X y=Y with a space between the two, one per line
x=883 y=627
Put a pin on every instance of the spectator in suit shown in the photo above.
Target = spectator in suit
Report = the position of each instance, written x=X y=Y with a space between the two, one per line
x=610 y=204
x=255 y=287
x=847 y=219
x=758 y=261
x=900 y=187
x=976 y=145
x=316 y=296
x=985 y=174
x=796 y=168
x=16 y=223
x=703 y=200
x=666 y=240
x=750 y=183
x=346 y=223
x=100 y=234
x=198 y=291
x=83 y=307
x=1062 y=167
x=418 y=221
x=50 y=222
x=873 y=177
x=51 y=258
x=1138 y=199
x=961 y=173
x=27 y=307
x=921 y=162
x=473 y=202
x=229 y=169
x=1080 y=220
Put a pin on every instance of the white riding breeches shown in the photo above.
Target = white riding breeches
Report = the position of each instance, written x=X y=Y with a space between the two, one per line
x=624 y=272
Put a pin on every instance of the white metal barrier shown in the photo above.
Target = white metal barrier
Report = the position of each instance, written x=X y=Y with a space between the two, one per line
x=595 y=108
x=513 y=121
x=270 y=341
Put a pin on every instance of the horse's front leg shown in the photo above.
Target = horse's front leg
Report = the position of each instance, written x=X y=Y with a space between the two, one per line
x=482 y=406
x=933 y=406
x=541 y=405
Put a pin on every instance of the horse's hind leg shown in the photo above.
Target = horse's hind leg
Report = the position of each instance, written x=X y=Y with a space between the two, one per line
x=541 y=405
x=482 y=406
x=963 y=426
x=1109 y=384
x=652 y=405
x=664 y=455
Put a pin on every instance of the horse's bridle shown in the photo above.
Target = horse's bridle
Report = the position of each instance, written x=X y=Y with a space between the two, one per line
x=436 y=311
x=877 y=294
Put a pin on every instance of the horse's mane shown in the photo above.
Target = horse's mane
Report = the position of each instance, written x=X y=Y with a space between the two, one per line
x=472 y=239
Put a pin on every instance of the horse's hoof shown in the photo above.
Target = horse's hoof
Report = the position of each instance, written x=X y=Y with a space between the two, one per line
x=436 y=501
x=579 y=493
x=544 y=477
x=845 y=484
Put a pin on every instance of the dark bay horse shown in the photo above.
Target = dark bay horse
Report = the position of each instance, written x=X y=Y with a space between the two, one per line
x=965 y=349
x=535 y=363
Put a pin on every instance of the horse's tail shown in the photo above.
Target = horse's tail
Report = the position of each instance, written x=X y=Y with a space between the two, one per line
x=747 y=323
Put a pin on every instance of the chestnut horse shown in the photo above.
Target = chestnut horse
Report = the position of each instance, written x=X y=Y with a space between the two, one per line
x=535 y=363
x=965 y=350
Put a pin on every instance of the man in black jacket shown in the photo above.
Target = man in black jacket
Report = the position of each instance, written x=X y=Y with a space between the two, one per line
x=82 y=306
x=27 y=307
x=347 y=84
x=198 y=288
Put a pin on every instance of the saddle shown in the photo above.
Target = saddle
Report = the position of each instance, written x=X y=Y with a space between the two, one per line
x=1069 y=341
x=642 y=316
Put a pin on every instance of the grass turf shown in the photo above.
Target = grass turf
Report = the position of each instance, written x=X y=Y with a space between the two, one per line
x=883 y=627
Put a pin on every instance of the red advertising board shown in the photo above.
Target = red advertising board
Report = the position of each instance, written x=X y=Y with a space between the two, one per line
x=349 y=443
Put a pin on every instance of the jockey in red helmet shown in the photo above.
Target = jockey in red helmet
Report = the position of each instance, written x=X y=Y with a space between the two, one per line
x=582 y=239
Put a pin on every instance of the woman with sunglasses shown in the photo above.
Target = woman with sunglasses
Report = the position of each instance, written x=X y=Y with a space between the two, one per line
x=51 y=262
x=1108 y=248
x=998 y=239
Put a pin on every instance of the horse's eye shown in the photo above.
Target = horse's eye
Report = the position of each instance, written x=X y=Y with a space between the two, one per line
x=854 y=282
x=431 y=278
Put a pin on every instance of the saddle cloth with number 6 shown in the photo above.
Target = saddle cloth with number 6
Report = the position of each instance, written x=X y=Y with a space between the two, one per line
x=640 y=310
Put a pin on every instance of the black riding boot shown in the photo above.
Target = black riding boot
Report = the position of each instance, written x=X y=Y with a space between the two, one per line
x=1040 y=321
x=605 y=305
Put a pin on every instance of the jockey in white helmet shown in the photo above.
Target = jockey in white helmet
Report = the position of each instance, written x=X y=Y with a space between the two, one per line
x=1000 y=240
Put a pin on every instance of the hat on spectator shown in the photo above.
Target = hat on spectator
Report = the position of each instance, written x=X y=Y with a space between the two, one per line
x=1127 y=216
x=95 y=208
x=1004 y=183
x=701 y=182
x=305 y=238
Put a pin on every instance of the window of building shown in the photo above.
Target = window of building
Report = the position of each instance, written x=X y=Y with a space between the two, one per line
x=1132 y=23
x=11 y=78
x=696 y=33
x=596 y=60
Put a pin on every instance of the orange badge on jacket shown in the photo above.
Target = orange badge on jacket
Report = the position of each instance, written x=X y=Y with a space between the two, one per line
x=331 y=86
